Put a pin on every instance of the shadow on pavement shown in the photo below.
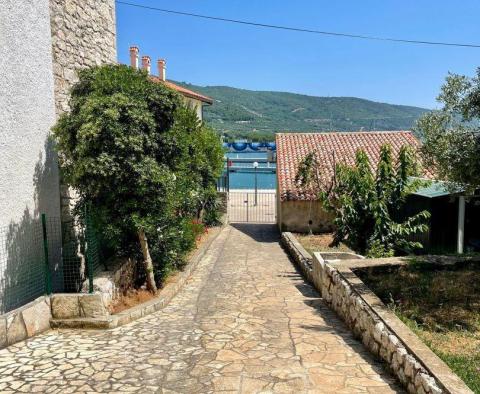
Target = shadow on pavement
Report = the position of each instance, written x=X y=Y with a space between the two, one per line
x=260 y=232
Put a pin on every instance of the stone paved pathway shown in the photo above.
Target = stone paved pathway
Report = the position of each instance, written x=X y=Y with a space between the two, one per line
x=245 y=322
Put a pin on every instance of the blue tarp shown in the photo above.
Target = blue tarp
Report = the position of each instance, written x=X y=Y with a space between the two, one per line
x=239 y=146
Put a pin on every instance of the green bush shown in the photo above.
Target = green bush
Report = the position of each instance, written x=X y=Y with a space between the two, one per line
x=142 y=160
x=377 y=250
x=365 y=204
x=171 y=243
x=212 y=215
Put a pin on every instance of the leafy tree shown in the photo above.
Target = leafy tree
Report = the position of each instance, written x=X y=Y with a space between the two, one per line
x=367 y=205
x=195 y=156
x=452 y=135
x=133 y=152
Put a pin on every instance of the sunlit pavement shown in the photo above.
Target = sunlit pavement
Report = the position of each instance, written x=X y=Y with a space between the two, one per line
x=245 y=322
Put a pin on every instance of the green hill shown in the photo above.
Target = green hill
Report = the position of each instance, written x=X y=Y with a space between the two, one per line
x=251 y=114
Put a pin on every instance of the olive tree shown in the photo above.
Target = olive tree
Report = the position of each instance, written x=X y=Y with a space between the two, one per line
x=451 y=135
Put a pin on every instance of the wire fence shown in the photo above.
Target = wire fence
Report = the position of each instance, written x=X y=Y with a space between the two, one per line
x=43 y=256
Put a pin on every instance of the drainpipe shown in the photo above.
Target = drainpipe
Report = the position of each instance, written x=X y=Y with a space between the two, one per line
x=461 y=224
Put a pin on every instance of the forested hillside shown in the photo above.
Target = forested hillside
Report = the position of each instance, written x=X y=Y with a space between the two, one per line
x=247 y=113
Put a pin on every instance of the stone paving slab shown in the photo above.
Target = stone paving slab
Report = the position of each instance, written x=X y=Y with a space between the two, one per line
x=245 y=322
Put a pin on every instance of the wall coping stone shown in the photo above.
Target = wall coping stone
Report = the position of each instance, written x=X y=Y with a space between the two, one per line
x=440 y=260
x=78 y=305
x=298 y=253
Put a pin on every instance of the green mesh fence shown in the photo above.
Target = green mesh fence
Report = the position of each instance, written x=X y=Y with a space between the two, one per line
x=44 y=255
x=22 y=264
x=93 y=252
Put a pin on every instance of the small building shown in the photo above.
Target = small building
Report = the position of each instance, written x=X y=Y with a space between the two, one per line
x=298 y=209
x=192 y=99
x=451 y=225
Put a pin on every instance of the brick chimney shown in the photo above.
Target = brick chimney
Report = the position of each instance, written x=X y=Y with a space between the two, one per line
x=162 y=69
x=134 y=57
x=146 y=64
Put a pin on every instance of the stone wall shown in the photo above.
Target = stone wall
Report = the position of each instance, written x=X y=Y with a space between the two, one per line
x=295 y=216
x=415 y=366
x=83 y=35
x=382 y=333
x=25 y=322
x=116 y=281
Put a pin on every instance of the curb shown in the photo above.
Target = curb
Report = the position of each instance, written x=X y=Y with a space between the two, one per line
x=149 y=307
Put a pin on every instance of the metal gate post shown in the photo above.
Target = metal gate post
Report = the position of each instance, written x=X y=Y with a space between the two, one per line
x=275 y=207
x=247 y=207
x=48 y=279
x=88 y=254
x=228 y=178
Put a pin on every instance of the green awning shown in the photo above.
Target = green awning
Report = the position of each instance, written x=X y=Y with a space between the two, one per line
x=435 y=189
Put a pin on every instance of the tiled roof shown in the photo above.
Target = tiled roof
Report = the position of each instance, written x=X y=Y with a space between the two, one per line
x=184 y=91
x=292 y=148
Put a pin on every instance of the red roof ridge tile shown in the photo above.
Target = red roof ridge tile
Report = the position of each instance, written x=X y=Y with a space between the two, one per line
x=183 y=90
x=342 y=132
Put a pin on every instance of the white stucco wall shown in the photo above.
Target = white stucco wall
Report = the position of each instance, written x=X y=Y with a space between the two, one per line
x=28 y=170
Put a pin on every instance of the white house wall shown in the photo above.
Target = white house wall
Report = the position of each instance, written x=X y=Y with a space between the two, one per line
x=28 y=170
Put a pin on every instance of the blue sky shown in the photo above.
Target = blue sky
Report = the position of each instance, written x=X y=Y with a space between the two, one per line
x=217 y=53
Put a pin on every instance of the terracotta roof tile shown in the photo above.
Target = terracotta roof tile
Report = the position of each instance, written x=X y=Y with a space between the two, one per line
x=184 y=91
x=292 y=148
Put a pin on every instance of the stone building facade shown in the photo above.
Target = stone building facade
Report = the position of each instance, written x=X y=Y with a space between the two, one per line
x=83 y=35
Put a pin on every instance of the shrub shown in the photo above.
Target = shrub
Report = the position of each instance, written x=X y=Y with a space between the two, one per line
x=171 y=243
x=212 y=214
x=366 y=204
x=141 y=159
